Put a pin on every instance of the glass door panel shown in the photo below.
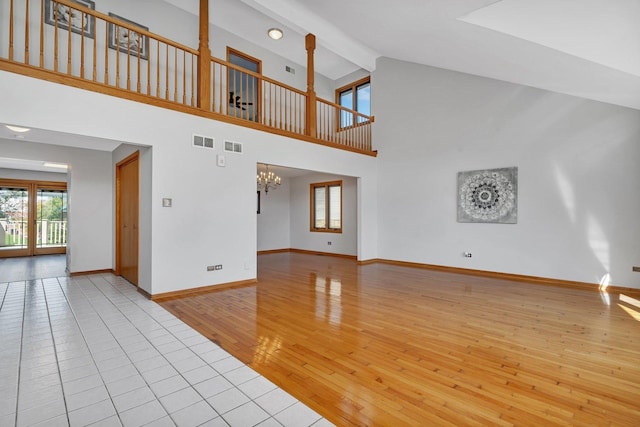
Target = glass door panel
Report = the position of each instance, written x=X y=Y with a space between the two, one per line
x=14 y=220
x=244 y=89
x=51 y=219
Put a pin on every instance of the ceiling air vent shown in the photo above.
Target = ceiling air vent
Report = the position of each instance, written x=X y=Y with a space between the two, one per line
x=233 y=147
x=203 y=141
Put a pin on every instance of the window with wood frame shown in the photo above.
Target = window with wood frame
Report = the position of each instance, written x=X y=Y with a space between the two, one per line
x=355 y=96
x=326 y=207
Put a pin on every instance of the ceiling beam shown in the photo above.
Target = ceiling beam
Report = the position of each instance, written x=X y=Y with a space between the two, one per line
x=301 y=20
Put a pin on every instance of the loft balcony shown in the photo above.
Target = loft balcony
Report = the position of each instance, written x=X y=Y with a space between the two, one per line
x=65 y=42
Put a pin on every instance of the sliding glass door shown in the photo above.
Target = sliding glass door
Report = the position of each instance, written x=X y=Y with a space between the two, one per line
x=51 y=220
x=14 y=220
x=33 y=218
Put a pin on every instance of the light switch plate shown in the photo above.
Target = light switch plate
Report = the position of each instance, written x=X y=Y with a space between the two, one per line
x=222 y=161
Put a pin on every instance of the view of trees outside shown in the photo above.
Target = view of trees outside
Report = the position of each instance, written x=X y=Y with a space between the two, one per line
x=14 y=217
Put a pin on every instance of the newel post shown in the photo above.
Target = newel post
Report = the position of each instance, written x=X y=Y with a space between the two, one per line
x=311 y=120
x=204 y=59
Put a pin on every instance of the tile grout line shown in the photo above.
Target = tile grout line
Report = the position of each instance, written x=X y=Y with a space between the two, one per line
x=24 y=310
x=55 y=350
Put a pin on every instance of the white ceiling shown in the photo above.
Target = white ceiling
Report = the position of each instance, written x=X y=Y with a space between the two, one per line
x=585 y=48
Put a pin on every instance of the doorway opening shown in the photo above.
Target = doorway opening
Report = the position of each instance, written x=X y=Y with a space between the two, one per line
x=33 y=218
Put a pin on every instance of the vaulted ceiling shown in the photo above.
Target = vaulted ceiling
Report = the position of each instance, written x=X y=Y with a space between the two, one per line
x=585 y=48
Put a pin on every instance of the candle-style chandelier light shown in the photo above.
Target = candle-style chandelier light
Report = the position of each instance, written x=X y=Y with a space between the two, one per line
x=268 y=180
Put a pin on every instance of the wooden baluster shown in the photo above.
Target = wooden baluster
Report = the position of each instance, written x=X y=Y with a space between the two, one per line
x=95 y=54
x=158 y=69
x=166 y=72
x=184 y=77
x=41 y=35
x=11 y=30
x=149 y=69
x=106 y=52
x=56 y=47
x=289 y=111
x=192 y=77
x=26 y=33
x=221 y=93
x=69 y=51
x=140 y=47
x=116 y=30
x=82 y=16
x=128 y=59
x=281 y=122
x=175 y=74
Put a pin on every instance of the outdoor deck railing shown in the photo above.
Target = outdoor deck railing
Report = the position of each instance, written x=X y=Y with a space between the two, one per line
x=68 y=43
x=48 y=233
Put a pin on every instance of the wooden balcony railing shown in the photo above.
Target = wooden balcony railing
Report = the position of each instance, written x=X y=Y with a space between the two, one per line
x=66 y=42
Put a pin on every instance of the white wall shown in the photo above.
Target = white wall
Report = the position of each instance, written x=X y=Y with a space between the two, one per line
x=344 y=243
x=213 y=219
x=578 y=177
x=33 y=175
x=273 y=222
x=90 y=207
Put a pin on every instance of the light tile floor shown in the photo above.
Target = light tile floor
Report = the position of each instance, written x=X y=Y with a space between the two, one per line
x=91 y=350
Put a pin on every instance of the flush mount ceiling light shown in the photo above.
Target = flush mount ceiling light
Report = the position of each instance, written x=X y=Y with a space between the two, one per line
x=17 y=129
x=275 y=33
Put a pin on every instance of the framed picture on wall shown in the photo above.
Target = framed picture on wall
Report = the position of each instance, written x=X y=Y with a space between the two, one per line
x=127 y=40
x=65 y=17
x=489 y=195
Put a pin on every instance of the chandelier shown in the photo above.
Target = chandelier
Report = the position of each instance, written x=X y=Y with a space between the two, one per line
x=268 y=180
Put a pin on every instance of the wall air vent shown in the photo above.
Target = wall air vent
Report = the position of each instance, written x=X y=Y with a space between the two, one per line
x=233 y=147
x=204 y=142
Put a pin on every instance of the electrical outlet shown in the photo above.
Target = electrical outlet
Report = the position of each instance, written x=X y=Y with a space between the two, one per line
x=467 y=254
x=218 y=267
x=636 y=269
x=211 y=267
x=329 y=243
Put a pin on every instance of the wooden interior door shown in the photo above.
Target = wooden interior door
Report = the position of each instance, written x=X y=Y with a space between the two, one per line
x=127 y=226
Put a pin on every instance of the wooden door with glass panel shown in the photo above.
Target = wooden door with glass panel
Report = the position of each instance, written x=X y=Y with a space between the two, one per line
x=33 y=217
x=244 y=88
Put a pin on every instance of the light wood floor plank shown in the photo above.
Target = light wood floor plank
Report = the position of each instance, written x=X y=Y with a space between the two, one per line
x=391 y=345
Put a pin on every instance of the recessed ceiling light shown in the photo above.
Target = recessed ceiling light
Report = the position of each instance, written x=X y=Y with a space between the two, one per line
x=275 y=33
x=17 y=129
x=55 y=165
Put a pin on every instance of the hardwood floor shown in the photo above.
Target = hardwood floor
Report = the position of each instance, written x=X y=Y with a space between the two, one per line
x=391 y=345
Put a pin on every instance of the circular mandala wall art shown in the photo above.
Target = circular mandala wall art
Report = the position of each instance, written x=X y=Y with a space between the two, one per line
x=488 y=196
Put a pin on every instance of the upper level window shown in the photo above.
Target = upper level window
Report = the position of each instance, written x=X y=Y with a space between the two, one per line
x=355 y=96
x=326 y=206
